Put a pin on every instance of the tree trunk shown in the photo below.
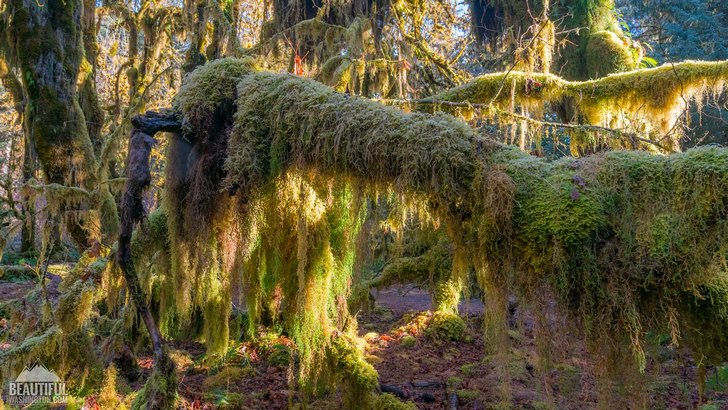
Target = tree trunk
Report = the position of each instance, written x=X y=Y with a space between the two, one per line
x=87 y=91
x=27 y=235
x=48 y=42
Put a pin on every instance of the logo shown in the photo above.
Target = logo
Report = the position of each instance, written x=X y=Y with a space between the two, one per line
x=36 y=385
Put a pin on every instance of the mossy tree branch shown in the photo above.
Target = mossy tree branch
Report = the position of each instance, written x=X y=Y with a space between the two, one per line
x=607 y=234
x=594 y=230
x=649 y=101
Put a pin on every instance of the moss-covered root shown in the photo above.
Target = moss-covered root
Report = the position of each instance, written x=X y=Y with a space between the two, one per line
x=359 y=378
x=160 y=390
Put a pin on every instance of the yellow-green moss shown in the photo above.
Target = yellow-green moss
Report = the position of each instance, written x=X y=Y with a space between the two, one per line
x=646 y=102
x=108 y=396
x=211 y=91
x=359 y=377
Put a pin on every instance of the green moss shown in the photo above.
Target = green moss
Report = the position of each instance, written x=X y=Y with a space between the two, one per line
x=604 y=234
x=446 y=326
x=454 y=382
x=469 y=369
x=17 y=273
x=108 y=396
x=430 y=256
x=387 y=401
x=466 y=395
x=447 y=295
x=646 y=101
x=210 y=91
x=408 y=341
x=160 y=389
x=359 y=377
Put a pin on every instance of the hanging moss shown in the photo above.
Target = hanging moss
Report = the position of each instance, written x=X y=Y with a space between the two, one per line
x=607 y=234
x=47 y=41
x=375 y=77
x=108 y=396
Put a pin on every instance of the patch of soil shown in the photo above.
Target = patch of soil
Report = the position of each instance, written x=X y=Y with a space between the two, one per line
x=14 y=290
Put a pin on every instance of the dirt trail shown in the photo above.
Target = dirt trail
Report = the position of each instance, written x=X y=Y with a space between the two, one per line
x=402 y=299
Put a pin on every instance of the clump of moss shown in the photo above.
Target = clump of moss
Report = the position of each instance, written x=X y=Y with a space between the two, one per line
x=466 y=395
x=408 y=341
x=453 y=382
x=210 y=91
x=443 y=326
x=469 y=369
x=388 y=401
x=446 y=326
x=359 y=377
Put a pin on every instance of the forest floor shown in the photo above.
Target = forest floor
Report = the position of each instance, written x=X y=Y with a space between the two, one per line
x=450 y=374
x=432 y=374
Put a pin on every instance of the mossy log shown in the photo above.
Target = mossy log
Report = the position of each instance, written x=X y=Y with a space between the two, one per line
x=627 y=242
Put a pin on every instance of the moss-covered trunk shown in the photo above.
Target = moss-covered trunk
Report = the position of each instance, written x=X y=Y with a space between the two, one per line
x=591 y=40
x=47 y=41
x=88 y=98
